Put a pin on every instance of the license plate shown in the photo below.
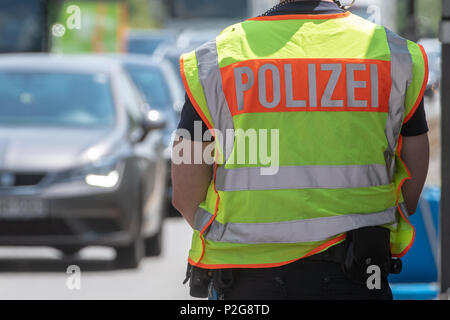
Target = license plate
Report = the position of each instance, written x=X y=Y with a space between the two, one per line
x=24 y=208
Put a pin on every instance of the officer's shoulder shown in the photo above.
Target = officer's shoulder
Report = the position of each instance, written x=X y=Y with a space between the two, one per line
x=362 y=25
x=225 y=33
x=231 y=31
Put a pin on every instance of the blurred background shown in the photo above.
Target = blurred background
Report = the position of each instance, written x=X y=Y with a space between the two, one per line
x=90 y=94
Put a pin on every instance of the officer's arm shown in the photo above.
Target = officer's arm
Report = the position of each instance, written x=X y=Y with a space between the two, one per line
x=416 y=155
x=190 y=181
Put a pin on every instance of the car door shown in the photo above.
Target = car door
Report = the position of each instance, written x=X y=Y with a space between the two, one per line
x=147 y=156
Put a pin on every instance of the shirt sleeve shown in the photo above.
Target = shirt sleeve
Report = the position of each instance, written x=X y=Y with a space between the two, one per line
x=189 y=118
x=417 y=124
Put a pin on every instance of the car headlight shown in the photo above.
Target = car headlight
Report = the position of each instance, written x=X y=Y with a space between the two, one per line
x=103 y=173
x=104 y=181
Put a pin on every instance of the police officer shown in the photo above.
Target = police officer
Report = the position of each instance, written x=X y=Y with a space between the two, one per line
x=339 y=100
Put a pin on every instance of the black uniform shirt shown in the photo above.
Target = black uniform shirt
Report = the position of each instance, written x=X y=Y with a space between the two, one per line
x=416 y=125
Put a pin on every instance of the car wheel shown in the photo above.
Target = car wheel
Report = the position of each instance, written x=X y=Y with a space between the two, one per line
x=129 y=256
x=153 y=244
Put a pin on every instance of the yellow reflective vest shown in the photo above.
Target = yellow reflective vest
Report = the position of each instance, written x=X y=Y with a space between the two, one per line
x=323 y=97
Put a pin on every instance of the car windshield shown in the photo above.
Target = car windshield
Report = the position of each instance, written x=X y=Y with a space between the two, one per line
x=174 y=60
x=56 y=99
x=144 y=46
x=147 y=45
x=153 y=84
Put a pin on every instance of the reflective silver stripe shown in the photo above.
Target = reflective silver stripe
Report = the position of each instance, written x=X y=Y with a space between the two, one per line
x=331 y=86
x=263 y=86
x=303 y=177
x=201 y=219
x=290 y=101
x=312 y=85
x=241 y=87
x=296 y=231
x=374 y=84
x=404 y=210
x=352 y=84
x=211 y=81
x=401 y=74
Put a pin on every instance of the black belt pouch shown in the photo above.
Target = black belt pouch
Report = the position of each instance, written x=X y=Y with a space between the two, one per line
x=367 y=247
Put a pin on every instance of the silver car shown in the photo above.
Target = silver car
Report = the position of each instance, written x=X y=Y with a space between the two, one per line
x=80 y=157
x=159 y=85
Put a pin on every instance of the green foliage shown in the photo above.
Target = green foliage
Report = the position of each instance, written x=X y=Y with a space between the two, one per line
x=426 y=21
x=139 y=14
x=428 y=17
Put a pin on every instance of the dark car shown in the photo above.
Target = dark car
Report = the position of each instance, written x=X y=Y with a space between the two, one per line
x=159 y=85
x=80 y=157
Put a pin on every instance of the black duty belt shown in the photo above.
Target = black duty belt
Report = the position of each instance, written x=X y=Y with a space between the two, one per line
x=335 y=254
x=339 y=253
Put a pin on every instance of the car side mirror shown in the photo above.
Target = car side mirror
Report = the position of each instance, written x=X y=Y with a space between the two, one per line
x=154 y=120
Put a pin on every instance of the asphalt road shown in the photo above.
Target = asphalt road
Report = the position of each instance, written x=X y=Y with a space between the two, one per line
x=41 y=273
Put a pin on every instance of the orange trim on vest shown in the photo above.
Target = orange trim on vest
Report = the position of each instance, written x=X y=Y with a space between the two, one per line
x=270 y=265
x=205 y=119
x=202 y=238
x=284 y=85
x=399 y=150
x=191 y=97
x=424 y=86
x=302 y=17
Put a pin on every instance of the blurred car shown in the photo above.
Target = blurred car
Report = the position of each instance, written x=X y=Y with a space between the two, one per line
x=187 y=41
x=433 y=48
x=159 y=85
x=146 y=41
x=80 y=157
x=171 y=53
x=191 y=38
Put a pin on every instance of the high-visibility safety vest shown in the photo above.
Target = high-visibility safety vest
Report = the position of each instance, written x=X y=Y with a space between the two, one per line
x=338 y=88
